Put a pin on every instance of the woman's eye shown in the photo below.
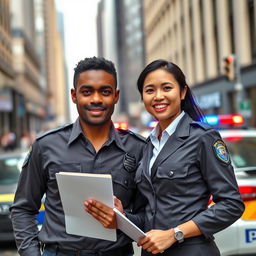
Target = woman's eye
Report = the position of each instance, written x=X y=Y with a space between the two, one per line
x=167 y=88
x=149 y=90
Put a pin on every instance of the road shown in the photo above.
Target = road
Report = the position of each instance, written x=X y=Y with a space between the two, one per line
x=8 y=249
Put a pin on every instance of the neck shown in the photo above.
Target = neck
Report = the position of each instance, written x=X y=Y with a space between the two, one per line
x=97 y=135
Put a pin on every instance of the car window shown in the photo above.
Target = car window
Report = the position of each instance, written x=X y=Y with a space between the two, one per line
x=242 y=150
x=10 y=170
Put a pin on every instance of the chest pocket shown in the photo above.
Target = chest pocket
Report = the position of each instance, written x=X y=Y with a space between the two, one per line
x=68 y=167
x=175 y=179
x=123 y=186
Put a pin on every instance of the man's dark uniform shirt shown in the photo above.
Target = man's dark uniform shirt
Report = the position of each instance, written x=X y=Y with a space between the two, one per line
x=67 y=150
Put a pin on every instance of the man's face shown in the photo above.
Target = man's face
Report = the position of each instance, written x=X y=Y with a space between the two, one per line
x=95 y=97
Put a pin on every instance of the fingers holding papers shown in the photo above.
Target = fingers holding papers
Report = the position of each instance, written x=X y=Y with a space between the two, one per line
x=104 y=214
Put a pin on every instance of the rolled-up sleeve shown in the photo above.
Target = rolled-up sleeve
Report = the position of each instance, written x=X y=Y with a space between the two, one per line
x=27 y=202
x=220 y=179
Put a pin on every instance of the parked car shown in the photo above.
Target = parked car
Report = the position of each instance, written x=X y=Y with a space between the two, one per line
x=10 y=167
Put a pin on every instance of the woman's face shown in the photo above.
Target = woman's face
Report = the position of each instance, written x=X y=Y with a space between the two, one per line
x=162 y=96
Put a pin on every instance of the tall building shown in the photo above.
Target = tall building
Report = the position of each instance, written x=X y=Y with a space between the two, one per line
x=29 y=112
x=57 y=113
x=7 y=90
x=198 y=35
x=126 y=45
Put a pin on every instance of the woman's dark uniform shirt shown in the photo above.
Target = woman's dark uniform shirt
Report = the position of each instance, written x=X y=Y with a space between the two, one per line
x=67 y=149
x=190 y=168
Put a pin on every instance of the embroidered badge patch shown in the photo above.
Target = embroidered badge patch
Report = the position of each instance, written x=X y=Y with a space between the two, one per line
x=129 y=163
x=221 y=151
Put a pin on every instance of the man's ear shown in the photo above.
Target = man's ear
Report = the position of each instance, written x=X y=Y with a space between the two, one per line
x=117 y=96
x=73 y=95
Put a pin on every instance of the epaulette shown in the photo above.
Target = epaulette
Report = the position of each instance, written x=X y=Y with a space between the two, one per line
x=59 y=128
x=138 y=136
x=202 y=125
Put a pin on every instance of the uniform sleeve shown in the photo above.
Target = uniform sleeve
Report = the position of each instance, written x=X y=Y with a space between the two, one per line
x=220 y=179
x=27 y=202
x=137 y=216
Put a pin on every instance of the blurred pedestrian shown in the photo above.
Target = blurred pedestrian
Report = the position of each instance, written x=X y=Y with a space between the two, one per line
x=8 y=141
x=90 y=145
x=25 y=141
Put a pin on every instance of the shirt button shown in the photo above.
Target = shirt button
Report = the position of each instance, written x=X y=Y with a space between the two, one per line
x=171 y=173
x=125 y=182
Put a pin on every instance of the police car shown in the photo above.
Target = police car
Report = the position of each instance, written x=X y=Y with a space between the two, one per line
x=10 y=167
x=239 y=238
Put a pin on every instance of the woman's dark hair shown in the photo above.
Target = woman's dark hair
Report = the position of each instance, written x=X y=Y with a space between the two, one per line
x=188 y=104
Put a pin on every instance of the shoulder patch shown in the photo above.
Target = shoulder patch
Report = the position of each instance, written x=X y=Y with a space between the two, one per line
x=202 y=125
x=41 y=135
x=27 y=157
x=221 y=151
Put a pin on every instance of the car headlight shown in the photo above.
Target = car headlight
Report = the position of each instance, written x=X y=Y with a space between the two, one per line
x=4 y=208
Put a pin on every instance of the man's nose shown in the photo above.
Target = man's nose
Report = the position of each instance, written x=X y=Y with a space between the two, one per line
x=96 y=97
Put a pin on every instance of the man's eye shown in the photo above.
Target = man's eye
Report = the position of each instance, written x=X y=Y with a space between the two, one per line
x=86 y=92
x=106 y=92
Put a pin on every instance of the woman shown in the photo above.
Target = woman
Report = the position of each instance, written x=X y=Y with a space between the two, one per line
x=185 y=162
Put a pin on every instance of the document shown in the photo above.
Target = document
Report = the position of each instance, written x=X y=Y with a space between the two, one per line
x=74 y=189
x=129 y=228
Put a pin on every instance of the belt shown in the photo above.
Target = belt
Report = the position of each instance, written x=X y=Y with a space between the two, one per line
x=121 y=251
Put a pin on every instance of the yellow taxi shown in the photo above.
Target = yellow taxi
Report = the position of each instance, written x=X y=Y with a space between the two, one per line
x=10 y=167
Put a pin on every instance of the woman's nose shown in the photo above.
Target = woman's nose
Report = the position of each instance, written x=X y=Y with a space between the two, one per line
x=158 y=95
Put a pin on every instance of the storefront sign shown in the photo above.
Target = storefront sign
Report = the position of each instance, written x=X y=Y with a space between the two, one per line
x=6 y=100
x=211 y=100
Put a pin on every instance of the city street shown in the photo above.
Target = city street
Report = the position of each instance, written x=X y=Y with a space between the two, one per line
x=8 y=249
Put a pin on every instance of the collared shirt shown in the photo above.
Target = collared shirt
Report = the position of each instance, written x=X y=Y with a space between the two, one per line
x=158 y=145
x=67 y=149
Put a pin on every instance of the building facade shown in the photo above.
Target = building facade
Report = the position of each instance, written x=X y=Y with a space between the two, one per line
x=197 y=35
x=57 y=90
x=7 y=90
x=121 y=39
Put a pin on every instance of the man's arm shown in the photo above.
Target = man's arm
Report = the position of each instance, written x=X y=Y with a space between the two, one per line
x=27 y=202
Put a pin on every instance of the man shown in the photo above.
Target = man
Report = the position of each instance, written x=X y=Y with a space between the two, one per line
x=89 y=145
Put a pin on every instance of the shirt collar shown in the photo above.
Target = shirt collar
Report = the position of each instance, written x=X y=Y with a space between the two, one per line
x=75 y=132
x=170 y=129
x=113 y=135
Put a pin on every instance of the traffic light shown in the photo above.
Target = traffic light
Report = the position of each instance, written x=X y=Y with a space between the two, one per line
x=229 y=67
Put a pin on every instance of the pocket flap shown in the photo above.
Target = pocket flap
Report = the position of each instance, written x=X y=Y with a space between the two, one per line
x=172 y=172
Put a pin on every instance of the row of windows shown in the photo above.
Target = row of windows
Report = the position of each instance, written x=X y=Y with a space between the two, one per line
x=5 y=15
x=163 y=37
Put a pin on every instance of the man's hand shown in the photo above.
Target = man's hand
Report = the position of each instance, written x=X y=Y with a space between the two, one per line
x=104 y=214
x=156 y=241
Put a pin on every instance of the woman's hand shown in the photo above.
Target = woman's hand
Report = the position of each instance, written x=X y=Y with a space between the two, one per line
x=156 y=241
x=104 y=214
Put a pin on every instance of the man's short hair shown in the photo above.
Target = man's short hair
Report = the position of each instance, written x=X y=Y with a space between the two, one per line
x=94 y=63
